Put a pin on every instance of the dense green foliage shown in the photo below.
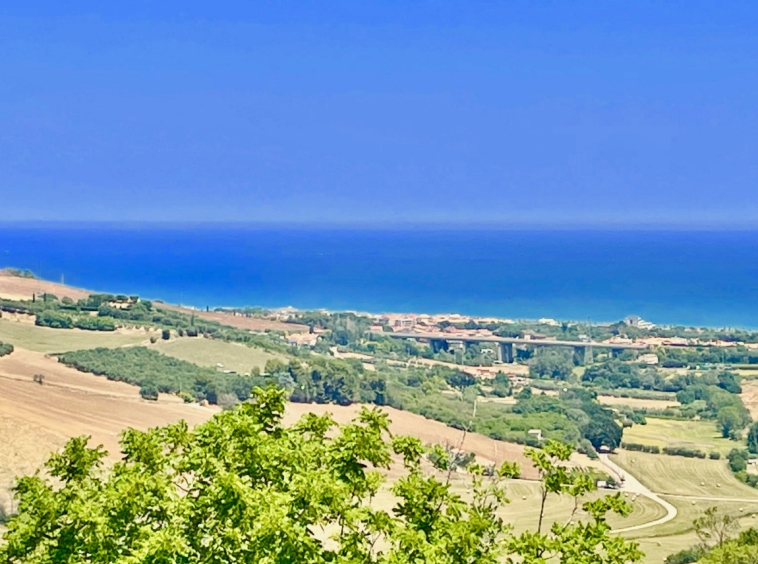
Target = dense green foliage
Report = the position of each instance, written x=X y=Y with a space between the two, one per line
x=554 y=364
x=5 y=348
x=155 y=372
x=244 y=488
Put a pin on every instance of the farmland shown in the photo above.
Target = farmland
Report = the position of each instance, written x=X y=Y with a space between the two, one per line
x=700 y=435
x=46 y=340
x=208 y=352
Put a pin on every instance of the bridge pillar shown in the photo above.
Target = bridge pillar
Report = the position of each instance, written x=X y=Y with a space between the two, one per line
x=583 y=355
x=505 y=352
x=439 y=345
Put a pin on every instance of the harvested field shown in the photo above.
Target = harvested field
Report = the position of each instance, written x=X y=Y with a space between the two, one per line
x=677 y=475
x=209 y=352
x=434 y=432
x=700 y=435
x=39 y=418
x=238 y=321
x=16 y=288
x=749 y=396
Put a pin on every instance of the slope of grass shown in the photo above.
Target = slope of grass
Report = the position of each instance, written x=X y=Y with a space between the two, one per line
x=700 y=435
x=46 y=340
x=684 y=476
x=208 y=352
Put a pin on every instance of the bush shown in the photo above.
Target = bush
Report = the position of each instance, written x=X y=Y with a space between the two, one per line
x=715 y=456
x=53 y=319
x=95 y=323
x=738 y=460
x=166 y=334
x=5 y=348
x=686 y=556
x=585 y=447
x=682 y=451
x=227 y=400
x=149 y=391
x=652 y=449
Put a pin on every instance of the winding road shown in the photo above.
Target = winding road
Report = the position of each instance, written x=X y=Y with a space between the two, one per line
x=633 y=485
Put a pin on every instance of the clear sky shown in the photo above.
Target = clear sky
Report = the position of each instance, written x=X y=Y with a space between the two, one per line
x=513 y=112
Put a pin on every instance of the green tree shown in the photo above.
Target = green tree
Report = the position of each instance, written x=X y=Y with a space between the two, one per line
x=752 y=439
x=553 y=364
x=730 y=422
x=714 y=529
x=244 y=488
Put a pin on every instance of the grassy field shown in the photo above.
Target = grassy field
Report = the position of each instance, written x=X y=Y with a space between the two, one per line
x=701 y=435
x=637 y=402
x=209 y=352
x=678 y=475
x=46 y=340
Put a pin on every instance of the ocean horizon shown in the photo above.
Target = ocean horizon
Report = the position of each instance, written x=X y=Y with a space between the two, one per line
x=671 y=277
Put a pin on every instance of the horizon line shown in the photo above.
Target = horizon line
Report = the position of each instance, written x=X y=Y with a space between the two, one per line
x=494 y=225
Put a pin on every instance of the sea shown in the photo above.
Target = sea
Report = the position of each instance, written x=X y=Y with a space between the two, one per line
x=703 y=278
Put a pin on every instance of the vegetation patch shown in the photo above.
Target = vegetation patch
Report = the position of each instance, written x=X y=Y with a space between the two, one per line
x=5 y=349
x=154 y=372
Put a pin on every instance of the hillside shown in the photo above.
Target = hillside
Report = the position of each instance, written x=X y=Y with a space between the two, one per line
x=36 y=419
x=17 y=288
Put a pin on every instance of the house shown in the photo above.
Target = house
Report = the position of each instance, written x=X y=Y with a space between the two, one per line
x=302 y=339
x=649 y=358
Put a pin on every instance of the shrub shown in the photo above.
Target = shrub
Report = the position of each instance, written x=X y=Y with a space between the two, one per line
x=53 y=319
x=738 y=460
x=682 y=451
x=149 y=391
x=5 y=348
x=714 y=455
x=95 y=323
x=227 y=401
x=166 y=334
x=686 y=556
x=652 y=449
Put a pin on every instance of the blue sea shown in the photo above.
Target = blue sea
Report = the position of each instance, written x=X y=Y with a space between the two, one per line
x=668 y=277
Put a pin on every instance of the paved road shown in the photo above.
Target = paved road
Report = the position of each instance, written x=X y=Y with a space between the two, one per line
x=634 y=486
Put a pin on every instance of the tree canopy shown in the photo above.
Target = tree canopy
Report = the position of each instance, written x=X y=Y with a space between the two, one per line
x=244 y=488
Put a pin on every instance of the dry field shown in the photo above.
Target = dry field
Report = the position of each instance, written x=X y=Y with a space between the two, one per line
x=749 y=396
x=15 y=288
x=238 y=321
x=37 y=419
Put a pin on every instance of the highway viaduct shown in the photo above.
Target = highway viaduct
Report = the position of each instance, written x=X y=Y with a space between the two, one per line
x=504 y=345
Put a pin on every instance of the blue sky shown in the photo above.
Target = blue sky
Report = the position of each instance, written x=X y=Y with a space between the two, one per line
x=360 y=112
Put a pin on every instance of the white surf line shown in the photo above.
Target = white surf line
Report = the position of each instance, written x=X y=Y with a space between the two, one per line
x=634 y=486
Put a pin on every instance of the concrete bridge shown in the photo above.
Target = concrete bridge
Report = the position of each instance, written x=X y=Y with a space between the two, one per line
x=504 y=345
